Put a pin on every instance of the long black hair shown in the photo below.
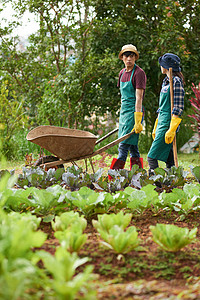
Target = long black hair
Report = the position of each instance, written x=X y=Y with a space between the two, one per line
x=180 y=75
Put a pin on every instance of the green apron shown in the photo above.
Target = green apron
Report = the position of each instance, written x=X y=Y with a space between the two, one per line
x=159 y=149
x=126 y=119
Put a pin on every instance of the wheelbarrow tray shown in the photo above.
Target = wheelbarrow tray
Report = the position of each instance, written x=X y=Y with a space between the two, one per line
x=67 y=144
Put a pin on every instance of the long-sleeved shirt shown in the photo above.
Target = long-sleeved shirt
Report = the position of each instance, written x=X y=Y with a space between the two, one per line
x=179 y=94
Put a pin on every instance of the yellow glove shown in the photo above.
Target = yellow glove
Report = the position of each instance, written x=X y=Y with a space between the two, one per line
x=154 y=129
x=170 y=134
x=138 y=118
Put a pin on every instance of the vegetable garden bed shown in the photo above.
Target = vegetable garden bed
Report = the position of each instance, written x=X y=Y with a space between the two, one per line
x=72 y=235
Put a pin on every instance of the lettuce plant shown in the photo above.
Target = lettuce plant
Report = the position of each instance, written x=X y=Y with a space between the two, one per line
x=18 y=270
x=33 y=220
x=119 y=240
x=107 y=221
x=172 y=238
x=67 y=219
x=62 y=267
x=18 y=237
x=72 y=239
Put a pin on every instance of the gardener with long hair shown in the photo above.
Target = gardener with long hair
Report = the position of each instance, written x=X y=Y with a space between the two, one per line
x=167 y=121
x=132 y=84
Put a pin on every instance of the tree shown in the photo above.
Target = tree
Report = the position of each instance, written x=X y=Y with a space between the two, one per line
x=67 y=90
x=12 y=117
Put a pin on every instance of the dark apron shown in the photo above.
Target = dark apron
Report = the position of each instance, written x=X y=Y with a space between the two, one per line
x=159 y=149
x=126 y=119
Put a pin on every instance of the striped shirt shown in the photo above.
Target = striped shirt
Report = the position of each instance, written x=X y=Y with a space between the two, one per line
x=179 y=94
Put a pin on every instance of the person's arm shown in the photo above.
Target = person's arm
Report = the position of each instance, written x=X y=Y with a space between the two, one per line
x=179 y=94
x=140 y=84
x=176 y=112
x=139 y=98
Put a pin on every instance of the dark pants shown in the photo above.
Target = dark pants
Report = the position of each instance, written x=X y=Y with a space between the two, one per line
x=123 y=151
x=153 y=163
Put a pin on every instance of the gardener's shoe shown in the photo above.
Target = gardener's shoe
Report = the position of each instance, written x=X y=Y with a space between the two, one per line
x=136 y=161
x=116 y=165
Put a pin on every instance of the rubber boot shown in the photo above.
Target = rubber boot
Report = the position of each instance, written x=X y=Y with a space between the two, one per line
x=116 y=164
x=136 y=161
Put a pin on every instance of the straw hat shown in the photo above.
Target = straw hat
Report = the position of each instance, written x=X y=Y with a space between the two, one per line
x=128 y=47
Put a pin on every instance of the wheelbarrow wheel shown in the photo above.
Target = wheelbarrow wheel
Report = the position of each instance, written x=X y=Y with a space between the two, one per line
x=47 y=159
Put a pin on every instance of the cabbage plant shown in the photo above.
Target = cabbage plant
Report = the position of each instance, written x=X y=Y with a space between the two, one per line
x=171 y=237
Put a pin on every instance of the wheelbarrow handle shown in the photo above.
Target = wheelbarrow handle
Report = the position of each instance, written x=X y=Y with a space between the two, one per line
x=113 y=143
x=107 y=135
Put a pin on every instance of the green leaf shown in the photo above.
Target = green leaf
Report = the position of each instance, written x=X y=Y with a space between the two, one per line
x=172 y=238
x=107 y=221
x=196 y=172
x=119 y=240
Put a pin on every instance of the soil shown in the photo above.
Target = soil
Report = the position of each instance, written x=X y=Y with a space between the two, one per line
x=146 y=273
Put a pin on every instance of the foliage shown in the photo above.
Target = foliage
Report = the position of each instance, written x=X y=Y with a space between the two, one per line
x=72 y=238
x=12 y=116
x=38 y=177
x=196 y=172
x=13 y=231
x=18 y=270
x=172 y=238
x=62 y=267
x=195 y=102
x=68 y=219
x=68 y=69
x=86 y=200
x=106 y=222
x=140 y=200
x=119 y=240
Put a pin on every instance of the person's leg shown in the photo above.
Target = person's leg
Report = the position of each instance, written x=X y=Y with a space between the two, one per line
x=119 y=163
x=170 y=159
x=153 y=164
x=134 y=152
x=123 y=151
x=135 y=158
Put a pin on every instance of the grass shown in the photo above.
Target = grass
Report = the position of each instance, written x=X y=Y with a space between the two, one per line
x=104 y=160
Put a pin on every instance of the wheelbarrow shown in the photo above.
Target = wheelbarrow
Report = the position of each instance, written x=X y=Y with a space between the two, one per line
x=68 y=145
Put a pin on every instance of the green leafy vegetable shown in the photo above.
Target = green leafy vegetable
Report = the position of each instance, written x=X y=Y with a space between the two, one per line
x=119 y=240
x=62 y=267
x=172 y=238
x=196 y=172
x=68 y=219
x=72 y=239
x=107 y=221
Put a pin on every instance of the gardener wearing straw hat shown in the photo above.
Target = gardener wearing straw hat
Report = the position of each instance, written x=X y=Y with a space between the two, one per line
x=132 y=84
x=167 y=122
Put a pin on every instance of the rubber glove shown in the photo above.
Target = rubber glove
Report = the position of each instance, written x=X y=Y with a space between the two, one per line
x=154 y=129
x=138 y=119
x=170 y=134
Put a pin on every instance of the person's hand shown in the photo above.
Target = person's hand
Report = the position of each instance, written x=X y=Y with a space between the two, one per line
x=154 y=129
x=138 y=119
x=170 y=134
